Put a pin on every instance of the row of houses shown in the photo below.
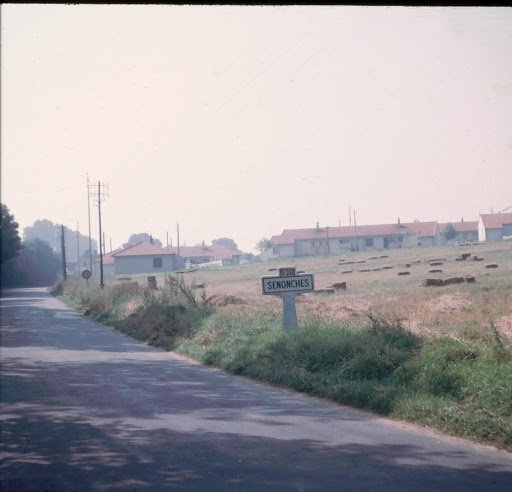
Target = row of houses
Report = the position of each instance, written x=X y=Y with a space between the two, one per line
x=338 y=240
x=149 y=258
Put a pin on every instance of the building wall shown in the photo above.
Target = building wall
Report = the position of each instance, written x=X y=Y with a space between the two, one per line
x=481 y=230
x=507 y=230
x=493 y=234
x=285 y=250
x=132 y=265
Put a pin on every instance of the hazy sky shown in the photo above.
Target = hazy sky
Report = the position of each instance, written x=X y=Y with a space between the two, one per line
x=242 y=121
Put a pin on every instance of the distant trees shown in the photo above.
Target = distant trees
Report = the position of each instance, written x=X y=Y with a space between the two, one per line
x=449 y=232
x=38 y=263
x=11 y=242
x=263 y=244
x=226 y=242
x=29 y=263
x=47 y=231
x=142 y=237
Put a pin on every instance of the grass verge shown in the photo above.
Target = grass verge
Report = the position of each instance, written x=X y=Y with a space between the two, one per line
x=460 y=386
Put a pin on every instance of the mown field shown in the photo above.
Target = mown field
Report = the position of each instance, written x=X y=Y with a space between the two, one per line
x=437 y=356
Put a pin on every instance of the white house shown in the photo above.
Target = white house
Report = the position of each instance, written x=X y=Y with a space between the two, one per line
x=321 y=241
x=196 y=255
x=494 y=227
x=145 y=258
x=465 y=232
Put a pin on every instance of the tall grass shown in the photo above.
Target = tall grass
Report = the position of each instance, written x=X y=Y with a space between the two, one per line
x=439 y=358
x=460 y=388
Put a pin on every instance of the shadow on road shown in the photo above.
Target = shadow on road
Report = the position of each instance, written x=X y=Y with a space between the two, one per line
x=87 y=408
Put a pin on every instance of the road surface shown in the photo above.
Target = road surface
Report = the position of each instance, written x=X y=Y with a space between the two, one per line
x=85 y=408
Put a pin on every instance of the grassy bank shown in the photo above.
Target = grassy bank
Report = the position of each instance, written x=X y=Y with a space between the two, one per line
x=461 y=388
x=458 y=384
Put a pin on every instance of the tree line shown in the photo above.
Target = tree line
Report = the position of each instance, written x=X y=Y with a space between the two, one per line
x=36 y=260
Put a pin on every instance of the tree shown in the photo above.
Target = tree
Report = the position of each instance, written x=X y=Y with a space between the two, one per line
x=263 y=244
x=142 y=237
x=11 y=243
x=38 y=263
x=226 y=242
x=47 y=231
x=449 y=232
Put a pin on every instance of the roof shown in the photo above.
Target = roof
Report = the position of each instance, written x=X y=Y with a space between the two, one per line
x=143 y=249
x=289 y=236
x=422 y=229
x=213 y=252
x=496 y=221
x=108 y=259
x=471 y=226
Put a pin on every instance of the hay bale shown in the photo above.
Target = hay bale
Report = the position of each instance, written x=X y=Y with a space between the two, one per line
x=340 y=285
x=388 y=267
x=453 y=281
x=347 y=271
x=404 y=273
x=324 y=291
x=436 y=263
x=152 y=282
x=433 y=282
x=492 y=265
x=364 y=270
x=435 y=271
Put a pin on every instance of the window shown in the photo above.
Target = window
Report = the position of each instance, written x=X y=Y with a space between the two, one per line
x=157 y=262
x=369 y=242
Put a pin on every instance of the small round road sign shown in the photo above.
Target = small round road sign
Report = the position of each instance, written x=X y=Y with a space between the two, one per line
x=86 y=274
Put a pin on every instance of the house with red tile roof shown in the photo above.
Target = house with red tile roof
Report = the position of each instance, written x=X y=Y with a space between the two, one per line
x=494 y=227
x=195 y=255
x=145 y=258
x=320 y=241
x=465 y=231
x=108 y=263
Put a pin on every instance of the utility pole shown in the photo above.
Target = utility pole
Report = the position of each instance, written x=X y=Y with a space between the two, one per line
x=89 y=217
x=100 y=194
x=178 y=238
x=77 y=249
x=63 y=250
x=355 y=231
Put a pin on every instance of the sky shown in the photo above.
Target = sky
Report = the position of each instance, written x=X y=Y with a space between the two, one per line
x=239 y=122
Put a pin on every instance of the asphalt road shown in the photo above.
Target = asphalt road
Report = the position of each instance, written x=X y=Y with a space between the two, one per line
x=85 y=408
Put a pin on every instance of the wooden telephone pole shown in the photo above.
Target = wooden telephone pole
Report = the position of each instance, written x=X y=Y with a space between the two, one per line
x=63 y=249
x=101 y=194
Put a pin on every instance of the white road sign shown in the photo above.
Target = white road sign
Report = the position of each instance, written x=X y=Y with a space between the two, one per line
x=279 y=285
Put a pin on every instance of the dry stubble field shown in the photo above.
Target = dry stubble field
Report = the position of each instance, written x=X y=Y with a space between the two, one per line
x=464 y=309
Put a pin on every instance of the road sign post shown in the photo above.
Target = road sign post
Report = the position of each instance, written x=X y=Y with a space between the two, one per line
x=287 y=285
x=87 y=275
